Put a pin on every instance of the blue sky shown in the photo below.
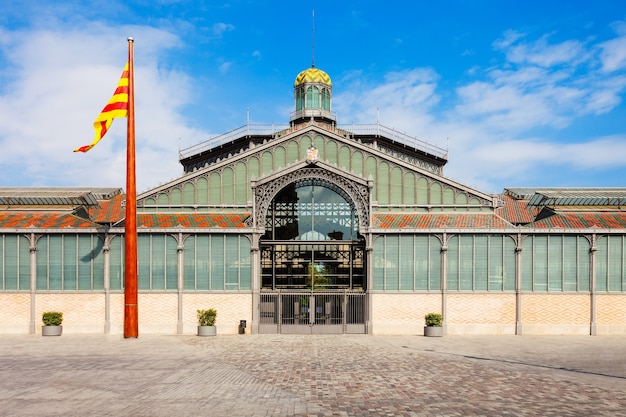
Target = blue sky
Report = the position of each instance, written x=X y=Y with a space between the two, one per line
x=520 y=93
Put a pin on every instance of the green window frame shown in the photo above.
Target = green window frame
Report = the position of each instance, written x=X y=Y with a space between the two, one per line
x=325 y=99
x=481 y=263
x=407 y=263
x=116 y=263
x=312 y=98
x=610 y=264
x=300 y=98
x=14 y=263
x=217 y=263
x=556 y=263
x=157 y=262
x=70 y=262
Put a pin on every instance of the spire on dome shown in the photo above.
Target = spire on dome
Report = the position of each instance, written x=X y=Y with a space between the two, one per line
x=313 y=91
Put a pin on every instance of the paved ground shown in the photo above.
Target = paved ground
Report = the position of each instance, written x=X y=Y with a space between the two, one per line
x=267 y=375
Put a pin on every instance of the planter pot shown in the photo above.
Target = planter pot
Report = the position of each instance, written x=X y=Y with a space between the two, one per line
x=51 y=330
x=433 y=331
x=207 y=330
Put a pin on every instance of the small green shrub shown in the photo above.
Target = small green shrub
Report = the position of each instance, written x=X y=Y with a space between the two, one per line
x=433 y=319
x=207 y=317
x=52 y=318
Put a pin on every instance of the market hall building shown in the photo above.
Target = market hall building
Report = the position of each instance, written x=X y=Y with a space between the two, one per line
x=317 y=227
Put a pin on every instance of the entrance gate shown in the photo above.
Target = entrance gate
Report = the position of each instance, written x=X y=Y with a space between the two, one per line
x=313 y=312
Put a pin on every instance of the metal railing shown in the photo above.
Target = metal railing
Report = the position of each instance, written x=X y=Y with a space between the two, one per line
x=240 y=132
x=390 y=133
x=281 y=129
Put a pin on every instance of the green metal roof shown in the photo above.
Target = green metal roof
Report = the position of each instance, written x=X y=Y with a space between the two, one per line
x=579 y=197
x=55 y=196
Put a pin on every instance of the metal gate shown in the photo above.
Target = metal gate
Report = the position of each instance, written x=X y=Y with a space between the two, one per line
x=313 y=312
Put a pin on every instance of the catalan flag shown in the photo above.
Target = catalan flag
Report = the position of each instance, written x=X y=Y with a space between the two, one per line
x=116 y=107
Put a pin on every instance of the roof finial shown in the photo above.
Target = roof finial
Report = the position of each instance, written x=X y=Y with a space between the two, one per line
x=313 y=39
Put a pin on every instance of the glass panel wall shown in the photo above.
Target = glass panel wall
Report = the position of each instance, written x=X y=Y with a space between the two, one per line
x=481 y=263
x=217 y=263
x=407 y=263
x=70 y=262
x=116 y=258
x=14 y=263
x=610 y=264
x=556 y=263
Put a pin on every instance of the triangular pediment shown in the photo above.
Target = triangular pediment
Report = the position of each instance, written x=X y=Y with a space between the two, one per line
x=224 y=179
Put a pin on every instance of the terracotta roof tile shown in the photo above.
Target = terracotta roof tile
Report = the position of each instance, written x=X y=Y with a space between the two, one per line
x=192 y=220
x=439 y=221
x=43 y=220
x=516 y=211
x=109 y=211
x=583 y=220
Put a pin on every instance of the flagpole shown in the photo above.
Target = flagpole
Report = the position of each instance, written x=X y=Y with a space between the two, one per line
x=131 y=322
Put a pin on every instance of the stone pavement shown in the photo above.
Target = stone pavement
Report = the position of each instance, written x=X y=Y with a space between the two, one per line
x=323 y=375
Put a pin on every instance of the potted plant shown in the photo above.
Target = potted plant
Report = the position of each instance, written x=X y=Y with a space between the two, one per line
x=52 y=323
x=434 y=322
x=206 y=322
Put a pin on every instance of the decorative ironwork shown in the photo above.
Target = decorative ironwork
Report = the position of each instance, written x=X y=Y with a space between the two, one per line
x=358 y=194
x=429 y=166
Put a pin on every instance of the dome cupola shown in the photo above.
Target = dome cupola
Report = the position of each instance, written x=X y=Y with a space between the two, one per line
x=313 y=75
x=313 y=92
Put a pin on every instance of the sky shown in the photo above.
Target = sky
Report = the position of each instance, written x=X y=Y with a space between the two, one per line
x=521 y=94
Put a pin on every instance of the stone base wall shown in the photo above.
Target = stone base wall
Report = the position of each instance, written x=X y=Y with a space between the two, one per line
x=15 y=313
x=230 y=309
x=391 y=313
x=610 y=309
x=556 y=314
x=402 y=313
x=480 y=314
x=158 y=313
x=541 y=314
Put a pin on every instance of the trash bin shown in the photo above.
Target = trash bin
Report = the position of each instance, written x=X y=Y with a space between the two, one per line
x=242 y=327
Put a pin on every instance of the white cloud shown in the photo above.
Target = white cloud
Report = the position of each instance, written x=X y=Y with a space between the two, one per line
x=613 y=54
x=60 y=82
x=545 y=55
x=489 y=119
x=402 y=95
x=220 y=28
x=225 y=66
x=509 y=37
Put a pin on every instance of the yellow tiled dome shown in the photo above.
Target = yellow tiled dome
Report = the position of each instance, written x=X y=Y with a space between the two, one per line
x=312 y=75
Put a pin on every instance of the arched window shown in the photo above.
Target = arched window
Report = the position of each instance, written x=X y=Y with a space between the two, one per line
x=310 y=211
x=312 y=98
x=325 y=99
x=311 y=239
x=300 y=98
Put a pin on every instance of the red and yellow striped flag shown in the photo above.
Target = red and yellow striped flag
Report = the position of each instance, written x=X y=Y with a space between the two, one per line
x=116 y=107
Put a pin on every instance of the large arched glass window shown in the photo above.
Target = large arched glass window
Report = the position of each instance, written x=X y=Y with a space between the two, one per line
x=308 y=211
x=311 y=239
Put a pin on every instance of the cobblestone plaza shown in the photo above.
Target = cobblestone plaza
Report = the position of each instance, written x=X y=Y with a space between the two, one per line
x=319 y=375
